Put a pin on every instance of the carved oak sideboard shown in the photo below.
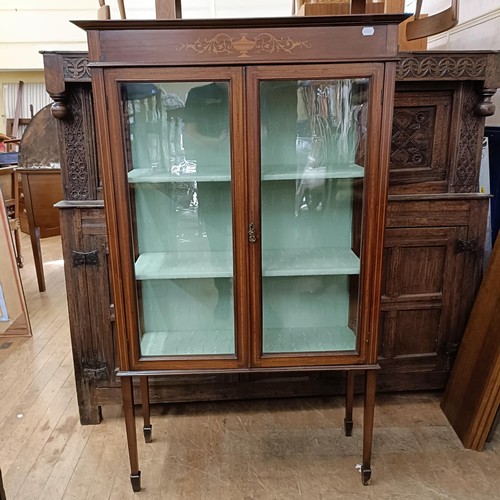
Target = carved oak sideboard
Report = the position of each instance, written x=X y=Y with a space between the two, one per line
x=433 y=247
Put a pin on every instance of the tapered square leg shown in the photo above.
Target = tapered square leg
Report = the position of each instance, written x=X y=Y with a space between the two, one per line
x=369 y=412
x=147 y=428
x=128 y=410
x=37 y=256
x=349 y=402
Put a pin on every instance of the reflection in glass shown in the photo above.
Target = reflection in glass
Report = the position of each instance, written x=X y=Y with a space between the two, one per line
x=313 y=148
x=179 y=177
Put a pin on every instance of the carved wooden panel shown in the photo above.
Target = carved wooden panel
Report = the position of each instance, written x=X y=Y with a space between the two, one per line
x=421 y=133
x=468 y=158
x=75 y=67
x=78 y=146
x=412 y=137
x=441 y=66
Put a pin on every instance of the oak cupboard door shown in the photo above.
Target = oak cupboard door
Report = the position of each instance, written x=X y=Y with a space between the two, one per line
x=420 y=291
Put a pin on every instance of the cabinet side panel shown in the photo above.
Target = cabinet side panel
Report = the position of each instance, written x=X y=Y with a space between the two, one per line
x=88 y=307
x=104 y=144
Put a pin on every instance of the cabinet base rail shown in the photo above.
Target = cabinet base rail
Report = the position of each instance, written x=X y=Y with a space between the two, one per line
x=220 y=371
x=370 y=373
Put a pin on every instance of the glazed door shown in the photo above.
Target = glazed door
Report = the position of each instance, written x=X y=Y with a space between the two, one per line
x=315 y=187
x=180 y=171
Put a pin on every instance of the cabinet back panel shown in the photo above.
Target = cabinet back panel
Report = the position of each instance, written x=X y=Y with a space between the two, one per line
x=307 y=313
x=168 y=221
x=317 y=218
x=189 y=309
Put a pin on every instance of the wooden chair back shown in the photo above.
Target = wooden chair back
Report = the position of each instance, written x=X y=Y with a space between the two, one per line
x=422 y=27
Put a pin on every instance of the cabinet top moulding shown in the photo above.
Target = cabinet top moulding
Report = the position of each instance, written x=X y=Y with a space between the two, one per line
x=242 y=41
x=244 y=22
x=434 y=65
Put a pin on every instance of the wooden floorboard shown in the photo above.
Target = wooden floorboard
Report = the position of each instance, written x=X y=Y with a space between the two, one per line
x=250 y=450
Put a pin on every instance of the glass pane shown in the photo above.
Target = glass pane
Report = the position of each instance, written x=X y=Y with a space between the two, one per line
x=313 y=143
x=179 y=176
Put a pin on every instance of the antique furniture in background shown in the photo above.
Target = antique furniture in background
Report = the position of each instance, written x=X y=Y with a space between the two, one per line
x=336 y=7
x=39 y=175
x=41 y=191
x=436 y=219
x=422 y=27
x=39 y=148
x=472 y=397
x=434 y=212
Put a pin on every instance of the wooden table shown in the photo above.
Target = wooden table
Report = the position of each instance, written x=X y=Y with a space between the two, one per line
x=41 y=190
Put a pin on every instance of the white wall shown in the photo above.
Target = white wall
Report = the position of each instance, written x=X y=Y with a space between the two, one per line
x=28 y=26
x=478 y=29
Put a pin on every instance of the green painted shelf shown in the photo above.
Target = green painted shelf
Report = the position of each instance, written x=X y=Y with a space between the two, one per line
x=188 y=342
x=341 y=171
x=312 y=339
x=293 y=262
x=276 y=340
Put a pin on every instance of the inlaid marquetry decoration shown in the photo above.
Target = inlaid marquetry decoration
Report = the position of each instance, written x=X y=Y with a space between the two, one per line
x=265 y=43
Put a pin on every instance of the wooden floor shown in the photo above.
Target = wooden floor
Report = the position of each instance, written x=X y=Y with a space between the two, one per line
x=284 y=449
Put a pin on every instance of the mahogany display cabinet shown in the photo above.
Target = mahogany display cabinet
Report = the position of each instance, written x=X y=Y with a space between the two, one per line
x=432 y=260
x=245 y=173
